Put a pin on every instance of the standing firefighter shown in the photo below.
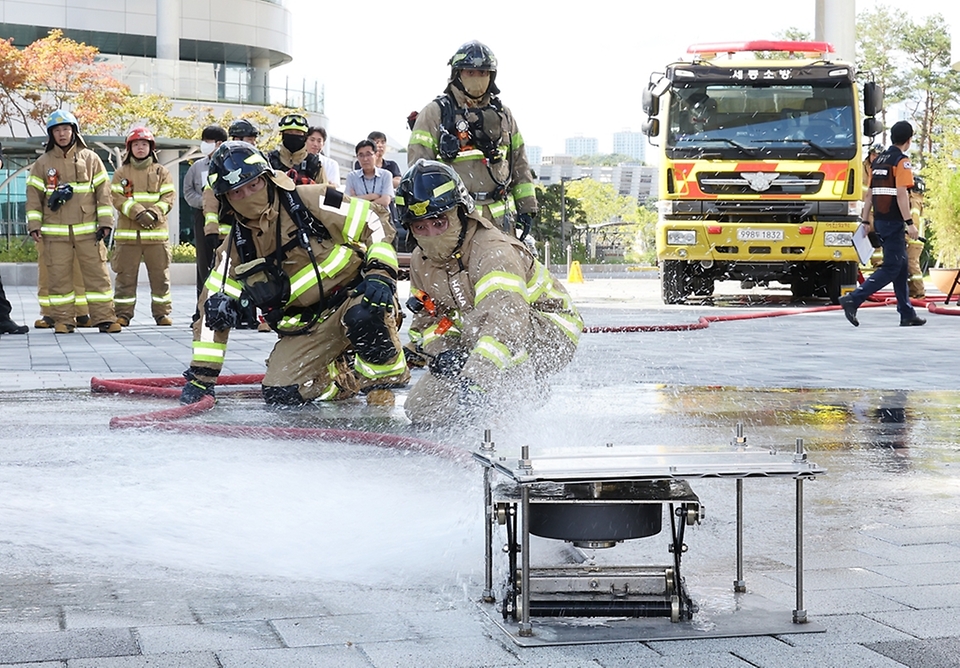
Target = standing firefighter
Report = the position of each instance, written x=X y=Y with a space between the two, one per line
x=469 y=128
x=68 y=207
x=490 y=320
x=143 y=193
x=915 y=246
x=323 y=272
x=292 y=157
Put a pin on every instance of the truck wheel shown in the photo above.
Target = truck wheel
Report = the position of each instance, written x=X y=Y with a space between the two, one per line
x=842 y=275
x=802 y=285
x=674 y=281
x=701 y=285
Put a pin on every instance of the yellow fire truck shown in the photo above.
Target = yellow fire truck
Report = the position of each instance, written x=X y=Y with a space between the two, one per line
x=760 y=167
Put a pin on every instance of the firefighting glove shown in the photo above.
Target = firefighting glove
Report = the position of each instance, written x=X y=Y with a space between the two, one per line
x=221 y=312
x=525 y=223
x=448 y=363
x=213 y=243
x=61 y=194
x=103 y=234
x=195 y=390
x=377 y=292
x=414 y=357
x=146 y=220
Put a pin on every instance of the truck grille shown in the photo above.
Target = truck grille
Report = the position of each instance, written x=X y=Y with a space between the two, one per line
x=786 y=183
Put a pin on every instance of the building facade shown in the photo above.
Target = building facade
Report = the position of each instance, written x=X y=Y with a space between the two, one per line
x=577 y=146
x=633 y=144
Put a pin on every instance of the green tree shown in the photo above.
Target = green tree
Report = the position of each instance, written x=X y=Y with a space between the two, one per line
x=602 y=204
x=603 y=159
x=791 y=35
x=548 y=220
x=878 y=53
x=942 y=198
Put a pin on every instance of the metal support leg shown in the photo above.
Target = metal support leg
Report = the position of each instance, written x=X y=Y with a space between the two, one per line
x=799 y=615
x=739 y=585
x=525 y=628
x=487 y=595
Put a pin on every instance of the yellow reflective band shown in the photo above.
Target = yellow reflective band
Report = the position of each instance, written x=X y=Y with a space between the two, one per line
x=423 y=138
x=99 y=297
x=127 y=205
x=207 y=351
x=522 y=190
x=398 y=200
x=356 y=219
x=101 y=177
x=306 y=278
x=376 y=371
x=499 y=280
x=125 y=300
x=117 y=188
x=142 y=197
x=516 y=141
x=161 y=299
x=163 y=206
x=495 y=351
x=497 y=209
x=571 y=325
x=155 y=235
x=43 y=301
x=125 y=235
x=36 y=182
x=211 y=218
x=384 y=253
x=64 y=230
x=231 y=288
x=254 y=158
x=223 y=230
x=81 y=300
x=444 y=187
x=540 y=284
x=62 y=300
x=166 y=188
x=33 y=214
x=105 y=211
x=330 y=393
x=473 y=154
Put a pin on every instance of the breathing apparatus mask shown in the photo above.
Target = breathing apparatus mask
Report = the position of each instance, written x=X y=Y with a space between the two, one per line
x=255 y=205
x=441 y=247
x=293 y=142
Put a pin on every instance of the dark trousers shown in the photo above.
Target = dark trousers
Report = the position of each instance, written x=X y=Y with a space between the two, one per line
x=5 y=306
x=204 y=252
x=893 y=270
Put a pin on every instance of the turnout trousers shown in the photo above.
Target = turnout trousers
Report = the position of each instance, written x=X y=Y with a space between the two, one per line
x=126 y=264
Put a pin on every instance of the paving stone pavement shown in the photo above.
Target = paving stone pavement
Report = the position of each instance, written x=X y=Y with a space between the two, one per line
x=882 y=571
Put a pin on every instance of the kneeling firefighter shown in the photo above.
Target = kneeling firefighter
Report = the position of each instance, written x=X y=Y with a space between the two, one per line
x=323 y=272
x=490 y=321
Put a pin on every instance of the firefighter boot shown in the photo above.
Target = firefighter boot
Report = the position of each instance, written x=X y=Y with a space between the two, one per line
x=46 y=322
x=62 y=328
x=109 y=327
x=162 y=320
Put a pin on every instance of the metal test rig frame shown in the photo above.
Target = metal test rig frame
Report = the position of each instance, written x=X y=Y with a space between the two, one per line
x=596 y=497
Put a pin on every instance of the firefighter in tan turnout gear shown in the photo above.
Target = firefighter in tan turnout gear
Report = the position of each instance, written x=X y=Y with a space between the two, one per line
x=68 y=207
x=143 y=193
x=320 y=268
x=470 y=129
x=490 y=322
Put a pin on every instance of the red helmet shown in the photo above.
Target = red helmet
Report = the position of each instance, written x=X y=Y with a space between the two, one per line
x=141 y=133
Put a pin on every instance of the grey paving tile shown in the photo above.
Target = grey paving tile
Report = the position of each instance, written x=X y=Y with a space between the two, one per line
x=463 y=653
x=912 y=575
x=595 y=655
x=925 y=596
x=24 y=647
x=936 y=553
x=827 y=656
x=299 y=657
x=128 y=614
x=845 y=629
x=171 y=660
x=682 y=648
x=28 y=618
x=929 y=623
x=939 y=653
x=835 y=578
x=344 y=629
x=223 y=635
x=916 y=535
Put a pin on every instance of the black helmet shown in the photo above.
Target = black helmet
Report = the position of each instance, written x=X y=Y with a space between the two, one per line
x=919 y=185
x=243 y=128
x=235 y=164
x=428 y=189
x=473 y=56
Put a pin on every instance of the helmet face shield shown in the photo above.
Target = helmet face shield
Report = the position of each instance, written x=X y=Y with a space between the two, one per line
x=293 y=122
x=430 y=189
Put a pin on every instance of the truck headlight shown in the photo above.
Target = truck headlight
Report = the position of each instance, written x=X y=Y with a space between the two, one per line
x=837 y=238
x=681 y=237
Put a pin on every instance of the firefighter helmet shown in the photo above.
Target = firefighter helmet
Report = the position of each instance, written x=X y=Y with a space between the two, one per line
x=235 y=164
x=474 y=56
x=428 y=189
x=61 y=117
x=243 y=128
x=294 y=122
x=141 y=133
x=919 y=185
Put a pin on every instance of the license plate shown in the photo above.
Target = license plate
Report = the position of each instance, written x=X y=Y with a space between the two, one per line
x=759 y=235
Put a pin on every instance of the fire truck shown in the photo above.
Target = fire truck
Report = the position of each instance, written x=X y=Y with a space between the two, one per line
x=761 y=167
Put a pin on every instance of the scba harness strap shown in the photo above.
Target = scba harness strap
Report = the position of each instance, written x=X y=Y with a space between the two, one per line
x=461 y=127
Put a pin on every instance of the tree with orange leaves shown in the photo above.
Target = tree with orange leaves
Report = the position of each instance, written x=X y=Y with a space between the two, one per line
x=50 y=73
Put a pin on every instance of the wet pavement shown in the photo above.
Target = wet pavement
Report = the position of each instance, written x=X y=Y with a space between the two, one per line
x=130 y=548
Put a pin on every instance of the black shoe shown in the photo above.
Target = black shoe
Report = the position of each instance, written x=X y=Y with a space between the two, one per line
x=10 y=327
x=915 y=321
x=849 y=310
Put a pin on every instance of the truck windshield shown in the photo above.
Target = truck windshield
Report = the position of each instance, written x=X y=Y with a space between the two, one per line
x=794 y=121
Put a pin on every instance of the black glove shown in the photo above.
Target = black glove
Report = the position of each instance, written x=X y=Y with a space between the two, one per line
x=448 y=363
x=61 y=194
x=377 y=291
x=213 y=243
x=221 y=312
x=525 y=223
x=415 y=359
x=195 y=390
x=103 y=234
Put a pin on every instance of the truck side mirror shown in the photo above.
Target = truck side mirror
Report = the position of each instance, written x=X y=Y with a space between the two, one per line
x=651 y=127
x=872 y=99
x=650 y=103
x=872 y=127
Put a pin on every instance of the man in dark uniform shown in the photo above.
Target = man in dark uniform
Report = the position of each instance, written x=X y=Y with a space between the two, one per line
x=890 y=180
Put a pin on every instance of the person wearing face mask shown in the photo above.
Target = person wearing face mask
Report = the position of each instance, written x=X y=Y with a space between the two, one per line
x=322 y=270
x=490 y=322
x=293 y=157
x=69 y=213
x=193 y=184
x=143 y=194
x=469 y=128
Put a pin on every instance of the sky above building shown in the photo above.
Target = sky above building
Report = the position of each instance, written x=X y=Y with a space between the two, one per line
x=562 y=72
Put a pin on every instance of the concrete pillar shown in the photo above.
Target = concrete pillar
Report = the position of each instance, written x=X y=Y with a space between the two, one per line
x=836 y=22
x=260 y=80
x=168 y=45
x=167 y=159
